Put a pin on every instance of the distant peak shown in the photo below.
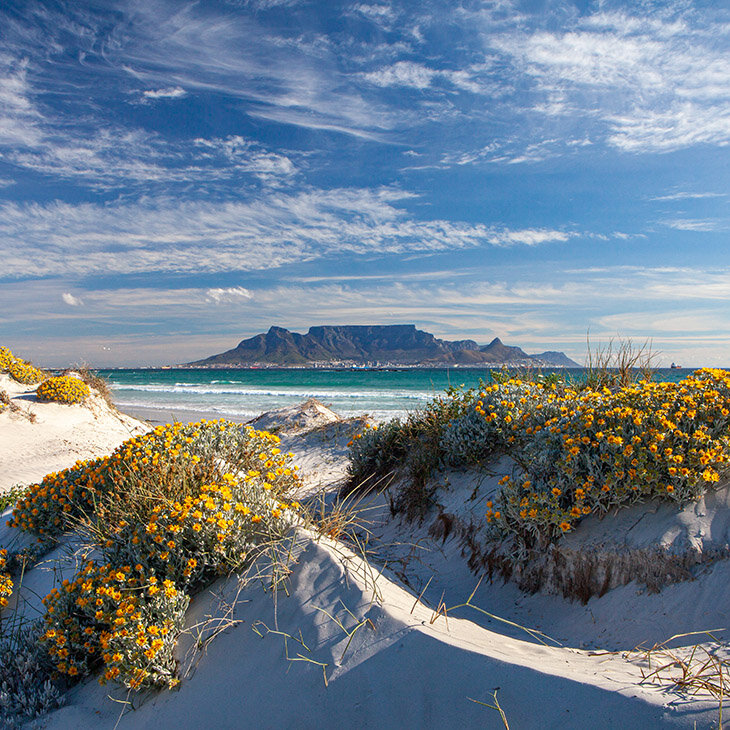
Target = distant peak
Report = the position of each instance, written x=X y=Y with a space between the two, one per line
x=495 y=341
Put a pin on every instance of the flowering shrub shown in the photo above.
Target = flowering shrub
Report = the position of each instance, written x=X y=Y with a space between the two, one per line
x=194 y=540
x=169 y=463
x=48 y=508
x=169 y=511
x=6 y=358
x=6 y=584
x=25 y=373
x=18 y=369
x=579 y=450
x=63 y=389
x=587 y=451
x=119 y=617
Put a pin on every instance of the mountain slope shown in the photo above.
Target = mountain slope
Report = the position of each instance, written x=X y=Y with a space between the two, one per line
x=398 y=344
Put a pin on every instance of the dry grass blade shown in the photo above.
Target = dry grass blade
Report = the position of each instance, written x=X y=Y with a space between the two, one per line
x=257 y=626
x=696 y=670
x=95 y=381
x=496 y=706
x=619 y=363
x=534 y=633
x=351 y=633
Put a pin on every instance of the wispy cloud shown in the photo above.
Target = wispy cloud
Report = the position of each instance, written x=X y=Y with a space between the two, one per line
x=112 y=157
x=670 y=197
x=19 y=116
x=655 y=84
x=408 y=74
x=170 y=93
x=63 y=239
x=228 y=294
x=694 y=224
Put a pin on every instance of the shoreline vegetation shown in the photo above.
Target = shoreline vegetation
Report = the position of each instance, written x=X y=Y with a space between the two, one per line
x=517 y=477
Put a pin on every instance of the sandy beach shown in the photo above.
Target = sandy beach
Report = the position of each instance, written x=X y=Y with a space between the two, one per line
x=38 y=438
x=379 y=636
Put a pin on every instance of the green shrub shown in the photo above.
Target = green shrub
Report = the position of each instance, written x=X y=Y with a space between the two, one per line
x=409 y=447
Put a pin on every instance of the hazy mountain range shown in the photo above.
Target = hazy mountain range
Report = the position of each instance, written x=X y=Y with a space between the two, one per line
x=400 y=344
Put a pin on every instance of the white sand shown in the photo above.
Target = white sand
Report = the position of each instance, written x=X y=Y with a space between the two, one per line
x=406 y=667
x=58 y=436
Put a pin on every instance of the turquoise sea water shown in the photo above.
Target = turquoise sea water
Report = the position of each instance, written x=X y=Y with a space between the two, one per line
x=247 y=393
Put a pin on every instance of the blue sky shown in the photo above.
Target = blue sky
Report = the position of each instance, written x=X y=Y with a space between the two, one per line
x=177 y=176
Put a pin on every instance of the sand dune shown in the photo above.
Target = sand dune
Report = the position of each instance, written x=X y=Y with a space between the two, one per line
x=351 y=644
x=38 y=438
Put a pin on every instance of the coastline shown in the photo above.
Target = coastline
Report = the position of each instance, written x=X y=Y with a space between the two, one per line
x=160 y=415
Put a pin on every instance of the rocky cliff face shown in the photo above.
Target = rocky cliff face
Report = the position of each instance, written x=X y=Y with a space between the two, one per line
x=402 y=344
x=498 y=352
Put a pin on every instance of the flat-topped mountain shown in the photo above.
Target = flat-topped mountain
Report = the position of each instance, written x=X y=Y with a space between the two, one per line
x=400 y=344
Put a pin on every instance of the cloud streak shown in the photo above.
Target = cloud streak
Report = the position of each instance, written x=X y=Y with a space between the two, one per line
x=655 y=84
x=60 y=239
x=176 y=92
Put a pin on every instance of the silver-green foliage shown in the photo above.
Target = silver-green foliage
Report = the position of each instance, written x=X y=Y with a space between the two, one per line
x=26 y=692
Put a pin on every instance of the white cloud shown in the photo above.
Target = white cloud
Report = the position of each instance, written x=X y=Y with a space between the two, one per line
x=413 y=75
x=71 y=300
x=375 y=11
x=655 y=84
x=688 y=196
x=111 y=157
x=403 y=73
x=240 y=57
x=692 y=224
x=689 y=323
x=276 y=229
x=247 y=156
x=169 y=93
x=19 y=116
x=229 y=294
x=382 y=16
x=261 y=4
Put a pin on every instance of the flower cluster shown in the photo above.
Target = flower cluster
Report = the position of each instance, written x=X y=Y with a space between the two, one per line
x=19 y=370
x=6 y=583
x=50 y=507
x=63 y=389
x=585 y=451
x=194 y=540
x=171 y=463
x=119 y=617
x=25 y=373
x=6 y=358
x=358 y=436
x=168 y=512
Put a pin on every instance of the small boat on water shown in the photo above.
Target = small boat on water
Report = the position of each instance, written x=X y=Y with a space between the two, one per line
x=674 y=366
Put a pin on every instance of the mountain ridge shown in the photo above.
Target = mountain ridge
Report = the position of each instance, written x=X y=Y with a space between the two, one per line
x=400 y=344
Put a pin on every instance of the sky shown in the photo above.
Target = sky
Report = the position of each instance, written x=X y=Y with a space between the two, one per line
x=177 y=176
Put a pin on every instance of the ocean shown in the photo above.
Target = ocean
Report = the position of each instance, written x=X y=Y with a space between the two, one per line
x=242 y=394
